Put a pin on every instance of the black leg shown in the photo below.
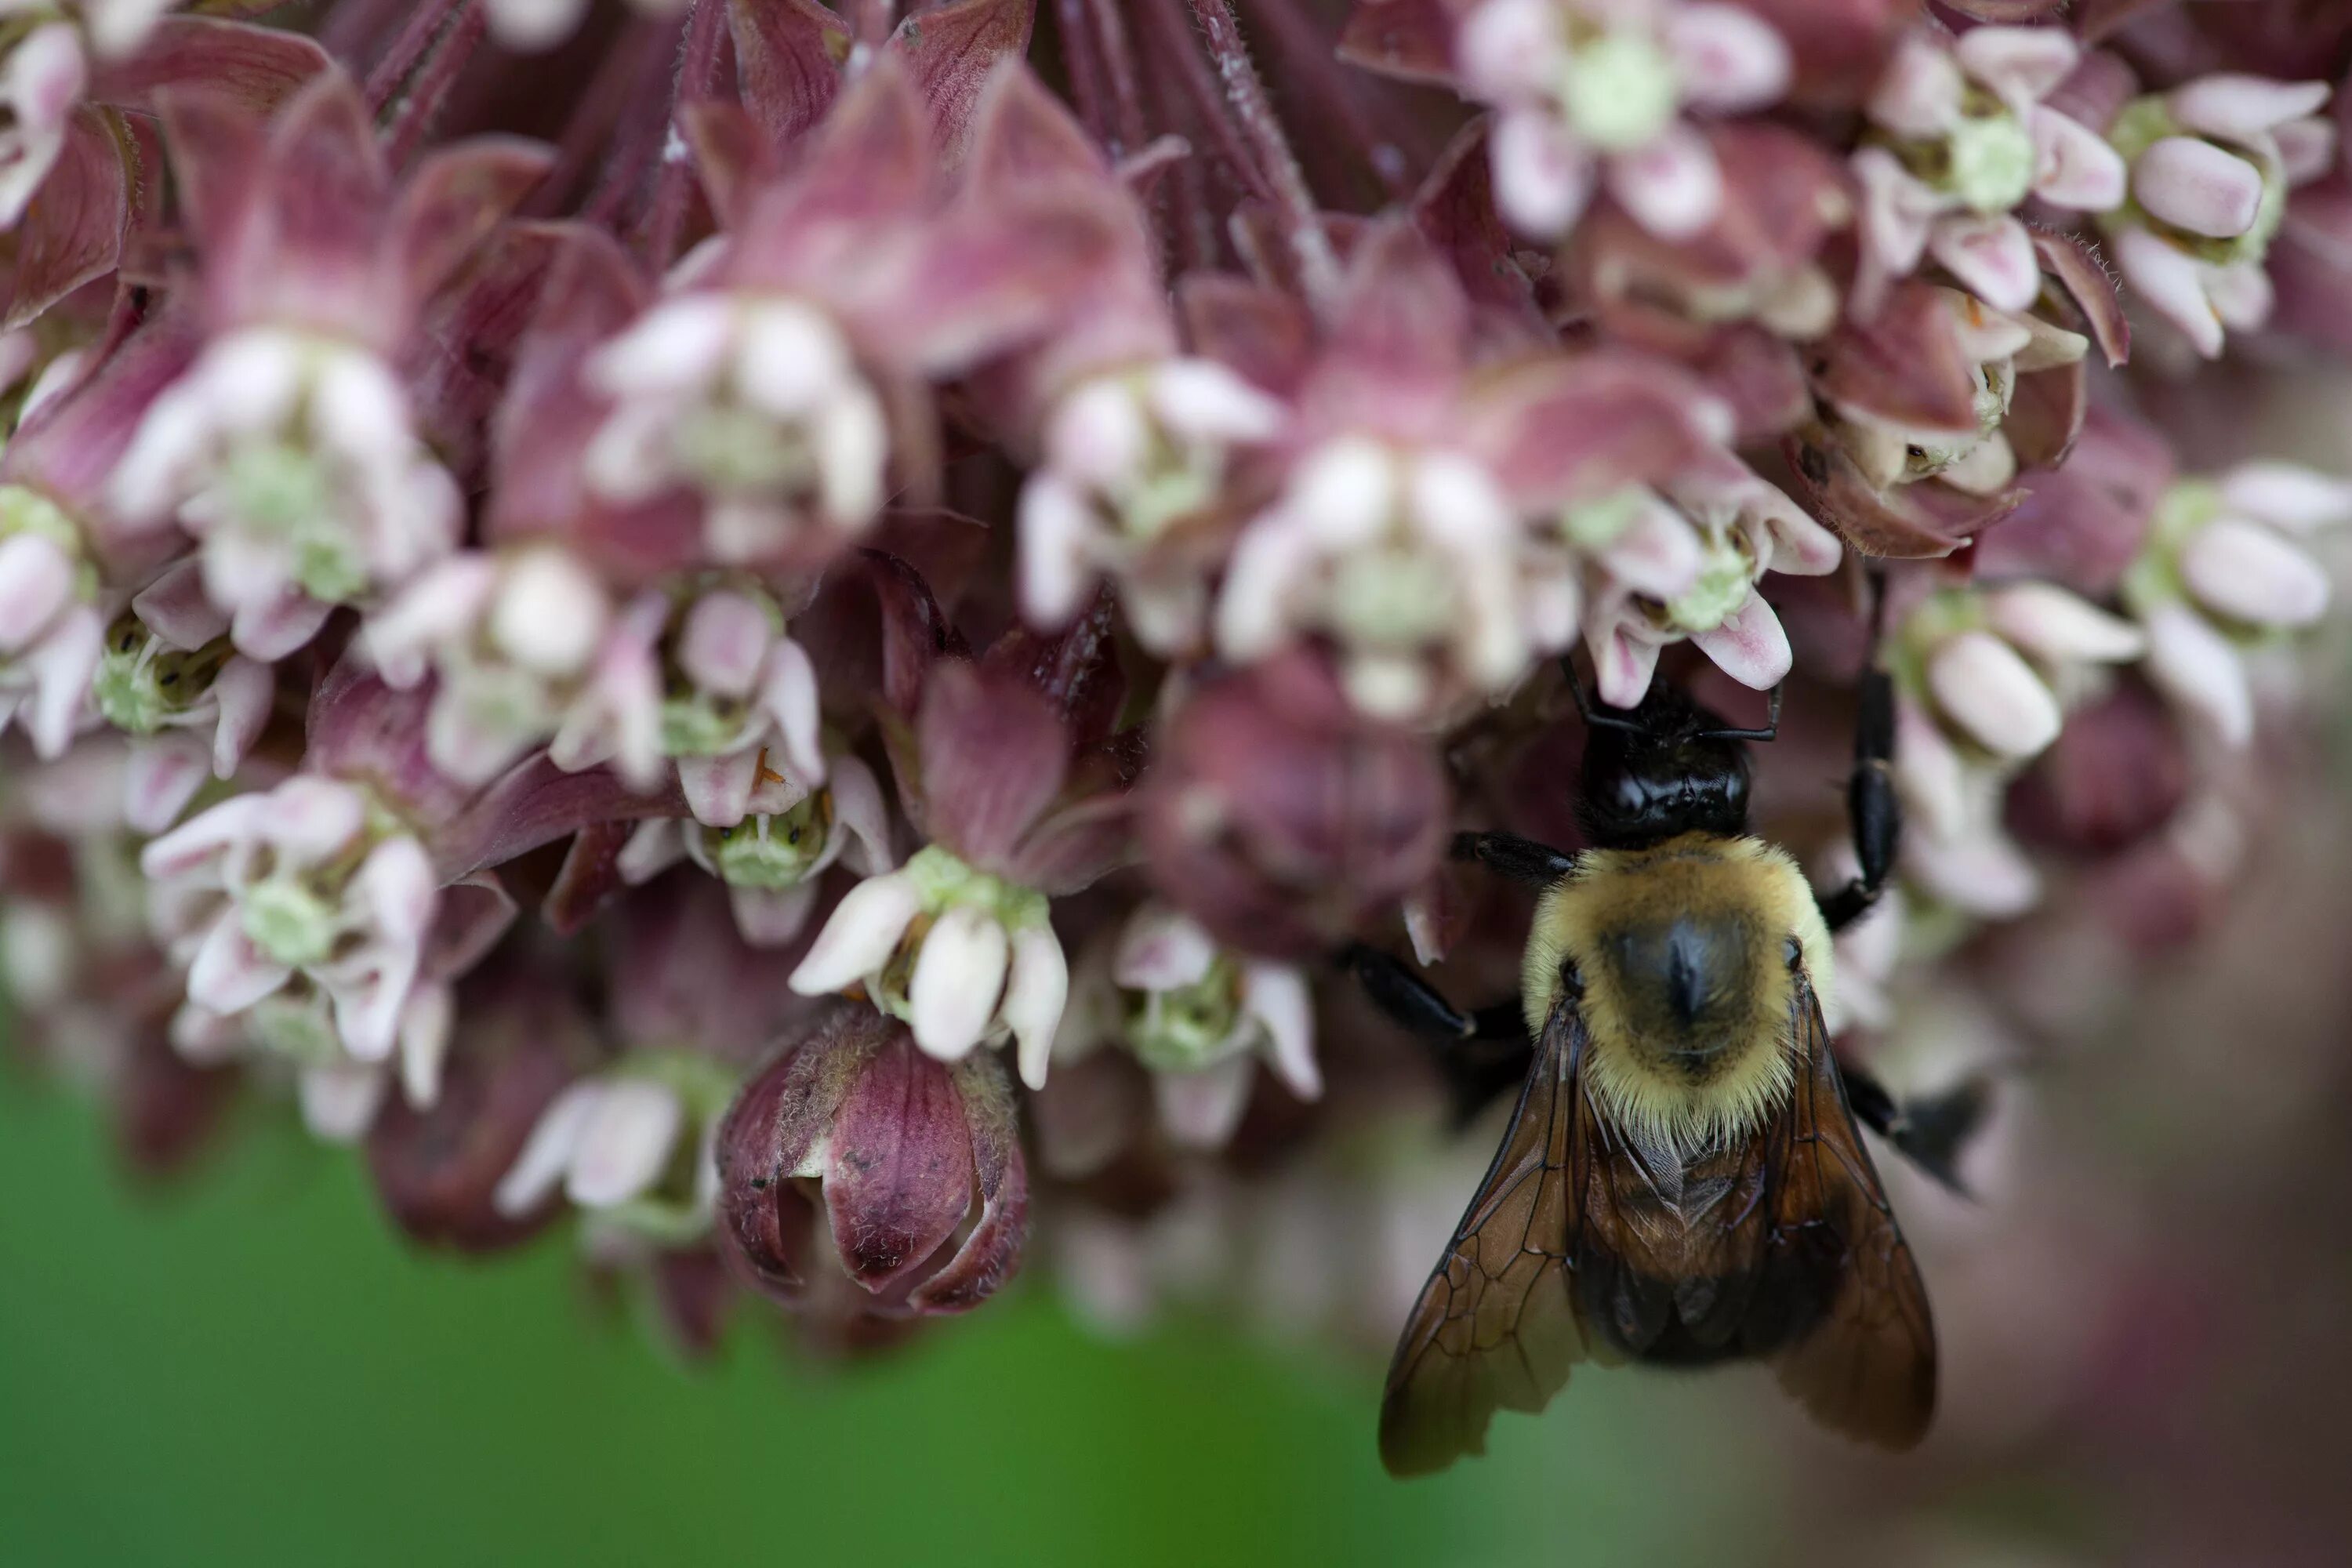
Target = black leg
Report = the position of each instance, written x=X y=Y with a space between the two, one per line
x=1932 y=1131
x=1522 y=861
x=1480 y=1055
x=1870 y=806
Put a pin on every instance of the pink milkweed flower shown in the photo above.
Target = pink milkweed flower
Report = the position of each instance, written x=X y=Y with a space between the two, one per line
x=1995 y=665
x=691 y=1004
x=52 y=624
x=1923 y=417
x=169 y=678
x=1684 y=561
x=1418 y=525
x=782 y=376
x=305 y=912
x=774 y=858
x=2212 y=162
x=1009 y=769
x=530 y=27
x=859 y=1152
x=288 y=449
x=2225 y=573
x=1200 y=1017
x=68 y=560
x=1592 y=92
x=1280 y=817
x=1961 y=138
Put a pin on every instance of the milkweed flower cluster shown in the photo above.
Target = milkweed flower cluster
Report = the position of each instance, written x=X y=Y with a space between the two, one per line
x=817 y=659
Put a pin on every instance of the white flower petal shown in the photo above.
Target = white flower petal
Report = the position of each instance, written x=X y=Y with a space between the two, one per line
x=1277 y=997
x=959 y=977
x=1201 y=1109
x=1983 y=686
x=858 y=940
x=1035 y=998
x=547 y=1153
x=1161 y=949
x=2253 y=574
x=625 y=1142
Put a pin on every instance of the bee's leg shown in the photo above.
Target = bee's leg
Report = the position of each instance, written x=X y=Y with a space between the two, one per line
x=1870 y=806
x=1522 y=861
x=1480 y=1055
x=1932 y=1131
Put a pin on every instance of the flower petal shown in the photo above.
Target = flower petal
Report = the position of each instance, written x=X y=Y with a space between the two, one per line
x=2195 y=666
x=625 y=1142
x=2253 y=574
x=1993 y=695
x=959 y=977
x=858 y=940
x=1034 y=996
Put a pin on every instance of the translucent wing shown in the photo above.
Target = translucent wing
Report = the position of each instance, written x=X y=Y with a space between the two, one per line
x=1495 y=1327
x=1866 y=1367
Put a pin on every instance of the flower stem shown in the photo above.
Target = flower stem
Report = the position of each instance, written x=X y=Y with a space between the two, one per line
x=699 y=59
x=428 y=88
x=1085 y=68
x=1310 y=245
x=1310 y=64
x=1118 y=69
x=408 y=46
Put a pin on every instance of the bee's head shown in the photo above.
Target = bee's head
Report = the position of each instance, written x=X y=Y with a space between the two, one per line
x=1666 y=768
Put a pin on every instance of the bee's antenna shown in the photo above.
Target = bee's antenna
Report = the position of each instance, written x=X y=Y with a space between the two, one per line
x=1594 y=721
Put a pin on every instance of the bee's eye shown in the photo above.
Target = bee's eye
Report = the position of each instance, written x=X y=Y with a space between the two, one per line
x=1793 y=953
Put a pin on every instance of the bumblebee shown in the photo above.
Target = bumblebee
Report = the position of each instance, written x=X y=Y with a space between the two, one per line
x=1682 y=1182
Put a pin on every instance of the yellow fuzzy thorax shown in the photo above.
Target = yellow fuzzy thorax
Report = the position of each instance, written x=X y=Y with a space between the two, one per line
x=1752 y=897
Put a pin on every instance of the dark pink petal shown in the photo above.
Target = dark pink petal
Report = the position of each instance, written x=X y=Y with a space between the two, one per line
x=2045 y=414
x=1262 y=335
x=1278 y=817
x=2005 y=10
x=310 y=245
x=72 y=231
x=988 y=275
x=590 y=875
x=993 y=754
x=1077 y=671
x=1409 y=39
x=1077 y=846
x=520 y=1037
x=453 y=200
x=1455 y=210
x=869 y=163
x=2310 y=264
x=469 y=916
x=1393 y=357
x=1906 y=523
x=899 y=1166
x=1023 y=134
x=256 y=69
x=763 y=1223
x=1558 y=430
x=361 y=730
x=952 y=51
x=1837 y=47
x=534 y=804
x=1903 y=364
x=215 y=146
x=992 y=1254
x=461 y=357
x=789 y=57
x=2092 y=290
x=732 y=156
x=2086 y=521
x=70 y=447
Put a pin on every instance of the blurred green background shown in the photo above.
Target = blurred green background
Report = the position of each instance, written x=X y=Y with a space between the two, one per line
x=250 y=1368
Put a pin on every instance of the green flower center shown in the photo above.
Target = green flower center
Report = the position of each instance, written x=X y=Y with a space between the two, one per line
x=1597 y=524
x=1992 y=163
x=1619 y=92
x=1389 y=598
x=289 y=923
x=1191 y=1027
x=772 y=852
x=1723 y=586
x=728 y=450
x=142 y=683
x=287 y=492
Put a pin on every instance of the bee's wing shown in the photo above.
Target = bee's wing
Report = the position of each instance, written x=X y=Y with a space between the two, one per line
x=1495 y=1327
x=1868 y=1368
